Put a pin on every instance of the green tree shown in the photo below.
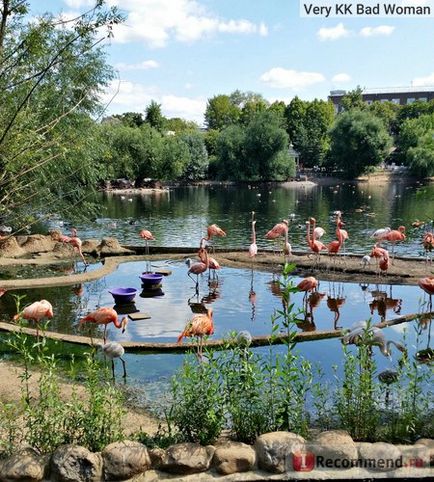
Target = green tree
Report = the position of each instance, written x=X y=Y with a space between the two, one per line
x=175 y=157
x=354 y=100
x=265 y=142
x=412 y=111
x=52 y=73
x=130 y=119
x=154 y=117
x=251 y=109
x=416 y=144
x=221 y=112
x=295 y=113
x=359 y=140
x=387 y=112
x=178 y=125
x=278 y=108
x=230 y=153
x=197 y=166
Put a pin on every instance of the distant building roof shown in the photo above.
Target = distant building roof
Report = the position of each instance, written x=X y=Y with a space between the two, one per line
x=388 y=90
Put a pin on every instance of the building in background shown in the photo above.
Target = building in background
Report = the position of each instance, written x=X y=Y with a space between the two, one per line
x=397 y=95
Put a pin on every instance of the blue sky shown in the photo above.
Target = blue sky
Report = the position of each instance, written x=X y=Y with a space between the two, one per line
x=181 y=52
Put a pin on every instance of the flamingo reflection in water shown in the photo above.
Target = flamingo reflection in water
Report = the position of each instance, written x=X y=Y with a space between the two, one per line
x=335 y=301
x=382 y=302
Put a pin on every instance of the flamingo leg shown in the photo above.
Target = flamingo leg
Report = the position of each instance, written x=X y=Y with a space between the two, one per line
x=124 y=367
x=113 y=368
x=105 y=334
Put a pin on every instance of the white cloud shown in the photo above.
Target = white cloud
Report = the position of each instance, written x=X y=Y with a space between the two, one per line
x=145 y=65
x=377 y=31
x=341 y=78
x=80 y=3
x=290 y=79
x=423 y=81
x=156 y=22
x=333 y=33
x=130 y=96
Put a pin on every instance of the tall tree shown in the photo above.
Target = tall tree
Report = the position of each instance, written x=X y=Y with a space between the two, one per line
x=354 y=100
x=154 y=117
x=221 y=112
x=52 y=72
x=359 y=141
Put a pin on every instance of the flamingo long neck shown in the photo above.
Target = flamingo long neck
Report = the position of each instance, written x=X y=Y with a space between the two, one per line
x=253 y=232
x=309 y=241
x=117 y=323
x=339 y=232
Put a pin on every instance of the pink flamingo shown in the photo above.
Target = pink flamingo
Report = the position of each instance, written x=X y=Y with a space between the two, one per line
x=2 y=291
x=147 y=236
x=198 y=267
x=253 y=248
x=279 y=229
x=395 y=236
x=315 y=245
x=381 y=256
x=213 y=264
x=428 y=245
x=427 y=285
x=200 y=325
x=214 y=230
x=36 y=312
x=74 y=241
x=335 y=246
x=104 y=316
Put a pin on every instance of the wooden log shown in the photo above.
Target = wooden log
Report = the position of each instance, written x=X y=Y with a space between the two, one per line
x=172 y=347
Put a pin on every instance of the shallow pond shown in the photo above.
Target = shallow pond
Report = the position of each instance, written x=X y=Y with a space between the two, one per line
x=235 y=308
x=179 y=217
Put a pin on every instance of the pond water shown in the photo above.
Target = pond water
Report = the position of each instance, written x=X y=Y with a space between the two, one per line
x=235 y=308
x=179 y=217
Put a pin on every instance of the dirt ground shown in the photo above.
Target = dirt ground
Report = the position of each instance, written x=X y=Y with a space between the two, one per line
x=10 y=392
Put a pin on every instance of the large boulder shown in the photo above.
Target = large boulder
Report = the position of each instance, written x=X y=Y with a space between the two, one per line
x=187 y=458
x=90 y=246
x=38 y=243
x=275 y=450
x=24 y=466
x=71 y=463
x=234 y=457
x=417 y=455
x=111 y=246
x=123 y=460
x=333 y=449
x=9 y=248
x=380 y=456
x=429 y=443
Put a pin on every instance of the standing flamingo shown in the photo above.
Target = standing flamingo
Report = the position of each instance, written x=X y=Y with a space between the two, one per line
x=112 y=350
x=427 y=285
x=428 y=245
x=213 y=264
x=395 y=236
x=36 y=312
x=104 y=316
x=74 y=241
x=279 y=229
x=197 y=268
x=200 y=325
x=2 y=291
x=381 y=256
x=379 y=234
x=253 y=248
x=214 y=230
x=335 y=246
x=315 y=245
x=308 y=284
x=147 y=236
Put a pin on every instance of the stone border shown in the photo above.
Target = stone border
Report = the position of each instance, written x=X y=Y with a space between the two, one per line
x=274 y=456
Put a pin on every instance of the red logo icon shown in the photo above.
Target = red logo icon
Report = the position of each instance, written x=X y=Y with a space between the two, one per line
x=303 y=462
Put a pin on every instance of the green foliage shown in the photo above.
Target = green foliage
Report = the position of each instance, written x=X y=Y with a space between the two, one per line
x=416 y=144
x=412 y=111
x=51 y=76
x=197 y=409
x=359 y=140
x=197 y=165
x=154 y=117
x=179 y=126
x=130 y=119
x=308 y=126
x=387 y=112
x=221 y=112
x=353 y=100
x=230 y=153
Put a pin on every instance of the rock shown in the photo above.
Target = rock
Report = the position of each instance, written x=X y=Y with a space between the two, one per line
x=274 y=450
x=38 y=243
x=187 y=458
x=380 y=456
x=71 y=463
x=90 y=246
x=123 y=460
x=25 y=466
x=234 y=457
x=331 y=448
x=63 y=250
x=429 y=443
x=157 y=457
x=9 y=248
x=111 y=246
x=417 y=455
